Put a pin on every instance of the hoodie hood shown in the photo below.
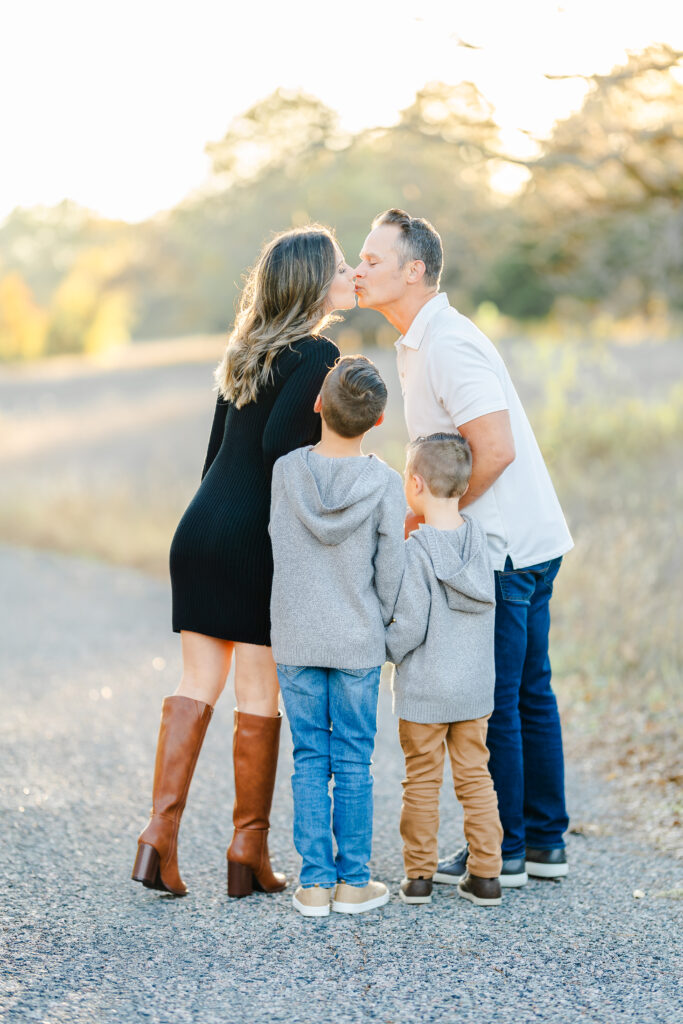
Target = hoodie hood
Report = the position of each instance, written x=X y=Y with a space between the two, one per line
x=332 y=497
x=460 y=562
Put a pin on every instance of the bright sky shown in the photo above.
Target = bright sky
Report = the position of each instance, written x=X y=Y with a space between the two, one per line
x=111 y=104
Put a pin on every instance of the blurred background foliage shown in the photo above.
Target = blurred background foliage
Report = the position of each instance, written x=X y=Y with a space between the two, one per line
x=592 y=240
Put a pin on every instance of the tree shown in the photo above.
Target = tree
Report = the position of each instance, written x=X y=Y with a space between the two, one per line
x=22 y=323
x=90 y=310
x=459 y=115
x=599 y=223
x=287 y=128
x=624 y=148
x=601 y=218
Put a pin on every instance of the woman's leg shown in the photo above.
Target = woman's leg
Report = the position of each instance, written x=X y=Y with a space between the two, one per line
x=206 y=664
x=184 y=720
x=255 y=746
x=256 y=686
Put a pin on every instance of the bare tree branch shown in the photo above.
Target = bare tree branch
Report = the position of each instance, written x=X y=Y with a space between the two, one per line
x=672 y=59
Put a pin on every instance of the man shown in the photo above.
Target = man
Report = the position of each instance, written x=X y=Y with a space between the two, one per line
x=452 y=376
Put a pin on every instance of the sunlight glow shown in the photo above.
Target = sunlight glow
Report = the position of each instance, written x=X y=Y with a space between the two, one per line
x=113 y=104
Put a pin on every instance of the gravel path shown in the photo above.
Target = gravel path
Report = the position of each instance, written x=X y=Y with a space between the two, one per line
x=87 y=655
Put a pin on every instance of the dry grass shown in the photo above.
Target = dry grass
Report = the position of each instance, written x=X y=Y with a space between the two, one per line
x=111 y=527
x=616 y=637
x=617 y=651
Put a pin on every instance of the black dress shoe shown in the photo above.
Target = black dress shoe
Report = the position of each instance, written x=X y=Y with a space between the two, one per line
x=416 y=890
x=485 y=892
x=546 y=863
x=451 y=869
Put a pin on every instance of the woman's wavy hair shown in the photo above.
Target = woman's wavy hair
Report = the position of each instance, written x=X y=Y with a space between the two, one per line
x=283 y=300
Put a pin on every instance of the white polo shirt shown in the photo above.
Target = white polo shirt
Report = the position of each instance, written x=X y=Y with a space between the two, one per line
x=450 y=374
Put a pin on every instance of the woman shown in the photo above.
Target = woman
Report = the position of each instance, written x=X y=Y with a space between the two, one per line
x=221 y=560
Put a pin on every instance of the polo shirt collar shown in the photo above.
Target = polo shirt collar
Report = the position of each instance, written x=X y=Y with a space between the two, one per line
x=416 y=332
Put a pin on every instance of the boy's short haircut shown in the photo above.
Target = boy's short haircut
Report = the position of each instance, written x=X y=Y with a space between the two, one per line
x=353 y=396
x=444 y=461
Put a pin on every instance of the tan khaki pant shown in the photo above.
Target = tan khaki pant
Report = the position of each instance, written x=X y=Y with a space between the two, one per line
x=423 y=747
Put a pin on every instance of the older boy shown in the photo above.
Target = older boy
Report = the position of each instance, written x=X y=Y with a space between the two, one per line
x=441 y=641
x=337 y=533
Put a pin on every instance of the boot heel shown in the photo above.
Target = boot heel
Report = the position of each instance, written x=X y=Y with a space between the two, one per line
x=240 y=879
x=146 y=868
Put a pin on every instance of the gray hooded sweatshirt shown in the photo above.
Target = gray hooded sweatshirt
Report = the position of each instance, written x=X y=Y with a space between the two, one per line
x=441 y=639
x=336 y=527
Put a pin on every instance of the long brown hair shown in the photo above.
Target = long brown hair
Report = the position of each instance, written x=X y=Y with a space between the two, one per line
x=282 y=301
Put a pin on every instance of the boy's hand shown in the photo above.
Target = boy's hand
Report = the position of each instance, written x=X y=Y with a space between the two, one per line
x=412 y=522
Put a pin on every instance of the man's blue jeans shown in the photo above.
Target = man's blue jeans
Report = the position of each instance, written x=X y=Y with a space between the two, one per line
x=524 y=735
x=333 y=717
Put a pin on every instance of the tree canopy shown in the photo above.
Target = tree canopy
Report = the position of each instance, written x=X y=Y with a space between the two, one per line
x=597 y=228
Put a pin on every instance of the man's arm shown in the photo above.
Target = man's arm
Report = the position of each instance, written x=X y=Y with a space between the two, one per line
x=493 y=449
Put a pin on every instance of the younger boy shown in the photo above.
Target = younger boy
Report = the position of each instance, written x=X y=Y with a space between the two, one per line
x=337 y=533
x=441 y=641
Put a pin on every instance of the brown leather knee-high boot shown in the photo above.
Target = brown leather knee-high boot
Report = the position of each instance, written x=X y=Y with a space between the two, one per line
x=255 y=746
x=184 y=722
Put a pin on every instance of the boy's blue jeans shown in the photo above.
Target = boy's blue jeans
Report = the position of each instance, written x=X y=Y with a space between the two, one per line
x=333 y=717
x=524 y=734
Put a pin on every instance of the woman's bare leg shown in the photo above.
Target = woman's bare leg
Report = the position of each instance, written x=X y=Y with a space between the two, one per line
x=206 y=664
x=256 y=685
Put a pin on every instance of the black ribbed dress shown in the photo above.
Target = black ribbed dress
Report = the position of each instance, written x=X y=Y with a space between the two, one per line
x=221 y=558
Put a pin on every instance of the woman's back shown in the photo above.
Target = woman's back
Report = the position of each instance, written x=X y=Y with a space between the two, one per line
x=221 y=560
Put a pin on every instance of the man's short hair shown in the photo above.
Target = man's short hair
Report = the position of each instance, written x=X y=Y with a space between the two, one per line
x=444 y=461
x=353 y=396
x=418 y=240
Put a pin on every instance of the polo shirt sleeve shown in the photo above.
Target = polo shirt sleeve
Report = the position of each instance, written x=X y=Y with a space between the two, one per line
x=464 y=381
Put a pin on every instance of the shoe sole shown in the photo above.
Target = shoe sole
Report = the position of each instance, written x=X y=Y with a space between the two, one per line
x=447 y=879
x=546 y=870
x=310 y=911
x=360 y=908
x=414 y=899
x=478 y=899
x=513 y=881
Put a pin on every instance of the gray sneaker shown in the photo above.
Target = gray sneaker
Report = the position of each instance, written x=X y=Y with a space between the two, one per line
x=450 y=870
x=356 y=899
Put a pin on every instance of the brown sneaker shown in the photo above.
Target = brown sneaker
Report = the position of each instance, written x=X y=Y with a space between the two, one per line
x=355 y=899
x=416 y=890
x=485 y=892
x=314 y=901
